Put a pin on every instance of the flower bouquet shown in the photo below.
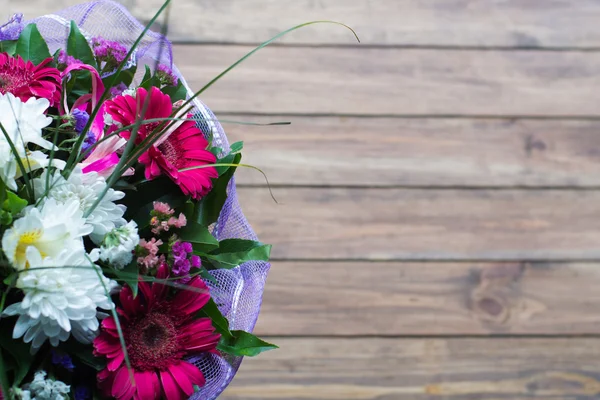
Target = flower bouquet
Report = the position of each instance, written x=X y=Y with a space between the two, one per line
x=127 y=268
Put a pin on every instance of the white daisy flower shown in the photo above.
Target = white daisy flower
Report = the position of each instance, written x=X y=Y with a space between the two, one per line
x=118 y=245
x=86 y=188
x=62 y=295
x=50 y=229
x=22 y=123
x=44 y=389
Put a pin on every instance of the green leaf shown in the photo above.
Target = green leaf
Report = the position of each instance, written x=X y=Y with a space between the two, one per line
x=244 y=344
x=125 y=76
x=18 y=349
x=79 y=48
x=149 y=79
x=199 y=236
x=84 y=354
x=8 y=46
x=13 y=203
x=129 y=275
x=209 y=208
x=210 y=310
x=176 y=93
x=237 y=147
x=139 y=202
x=233 y=252
x=32 y=46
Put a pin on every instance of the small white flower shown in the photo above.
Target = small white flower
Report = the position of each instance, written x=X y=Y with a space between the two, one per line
x=86 y=188
x=23 y=124
x=50 y=229
x=118 y=245
x=109 y=121
x=62 y=295
x=44 y=389
x=130 y=92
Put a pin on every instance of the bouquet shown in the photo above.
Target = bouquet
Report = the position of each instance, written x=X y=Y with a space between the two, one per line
x=127 y=268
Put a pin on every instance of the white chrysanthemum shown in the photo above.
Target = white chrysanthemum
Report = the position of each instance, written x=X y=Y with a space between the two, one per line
x=62 y=294
x=118 y=245
x=44 y=389
x=49 y=229
x=23 y=123
x=86 y=188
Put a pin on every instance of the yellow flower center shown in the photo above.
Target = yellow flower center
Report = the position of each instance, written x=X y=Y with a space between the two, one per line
x=25 y=240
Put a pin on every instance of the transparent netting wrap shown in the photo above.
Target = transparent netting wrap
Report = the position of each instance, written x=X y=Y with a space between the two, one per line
x=238 y=292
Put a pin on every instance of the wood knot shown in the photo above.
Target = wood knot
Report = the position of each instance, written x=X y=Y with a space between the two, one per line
x=496 y=298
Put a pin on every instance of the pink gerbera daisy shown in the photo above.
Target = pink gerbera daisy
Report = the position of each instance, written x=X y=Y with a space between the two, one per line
x=180 y=153
x=159 y=331
x=25 y=80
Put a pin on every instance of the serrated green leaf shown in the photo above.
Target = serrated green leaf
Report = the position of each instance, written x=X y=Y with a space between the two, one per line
x=233 y=252
x=242 y=343
x=210 y=310
x=32 y=46
x=79 y=48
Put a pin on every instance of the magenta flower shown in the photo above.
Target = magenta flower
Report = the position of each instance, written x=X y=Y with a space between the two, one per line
x=160 y=331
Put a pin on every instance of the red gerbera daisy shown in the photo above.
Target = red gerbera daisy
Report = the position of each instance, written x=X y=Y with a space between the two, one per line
x=26 y=80
x=181 y=147
x=159 y=332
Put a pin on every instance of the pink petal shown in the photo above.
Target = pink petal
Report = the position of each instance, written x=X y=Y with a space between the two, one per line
x=170 y=388
x=180 y=377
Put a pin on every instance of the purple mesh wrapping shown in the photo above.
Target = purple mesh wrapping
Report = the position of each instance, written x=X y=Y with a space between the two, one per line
x=238 y=292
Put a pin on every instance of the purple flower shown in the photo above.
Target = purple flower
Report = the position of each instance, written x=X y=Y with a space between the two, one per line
x=184 y=260
x=63 y=360
x=13 y=28
x=89 y=141
x=166 y=75
x=81 y=119
x=118 y=90
x=65 y=59
x=110 y=52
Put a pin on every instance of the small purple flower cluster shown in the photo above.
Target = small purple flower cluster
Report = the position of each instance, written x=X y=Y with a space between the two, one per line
x=184 y=260
x=166 y=75
x=109 y=52
x=65 y=60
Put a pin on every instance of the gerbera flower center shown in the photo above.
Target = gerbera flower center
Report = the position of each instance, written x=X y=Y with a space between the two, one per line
x=13 y=79
x=152 y=342
x=171 y=152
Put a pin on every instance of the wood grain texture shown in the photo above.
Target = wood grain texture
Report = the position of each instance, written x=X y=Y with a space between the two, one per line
x=422 y=369
x=362 y=298
x=420 y=152
x=382 y=22
x=395 y=81
x=398 y=224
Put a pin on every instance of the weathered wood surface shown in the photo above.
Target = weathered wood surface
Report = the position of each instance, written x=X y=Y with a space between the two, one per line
x=396 y=224
x=422 y=369
x=362 y=298
x=383 y=22
x=395 y=81
x=420 y=152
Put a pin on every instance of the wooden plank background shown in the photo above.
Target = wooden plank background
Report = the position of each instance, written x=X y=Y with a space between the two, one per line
x=437 y=229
